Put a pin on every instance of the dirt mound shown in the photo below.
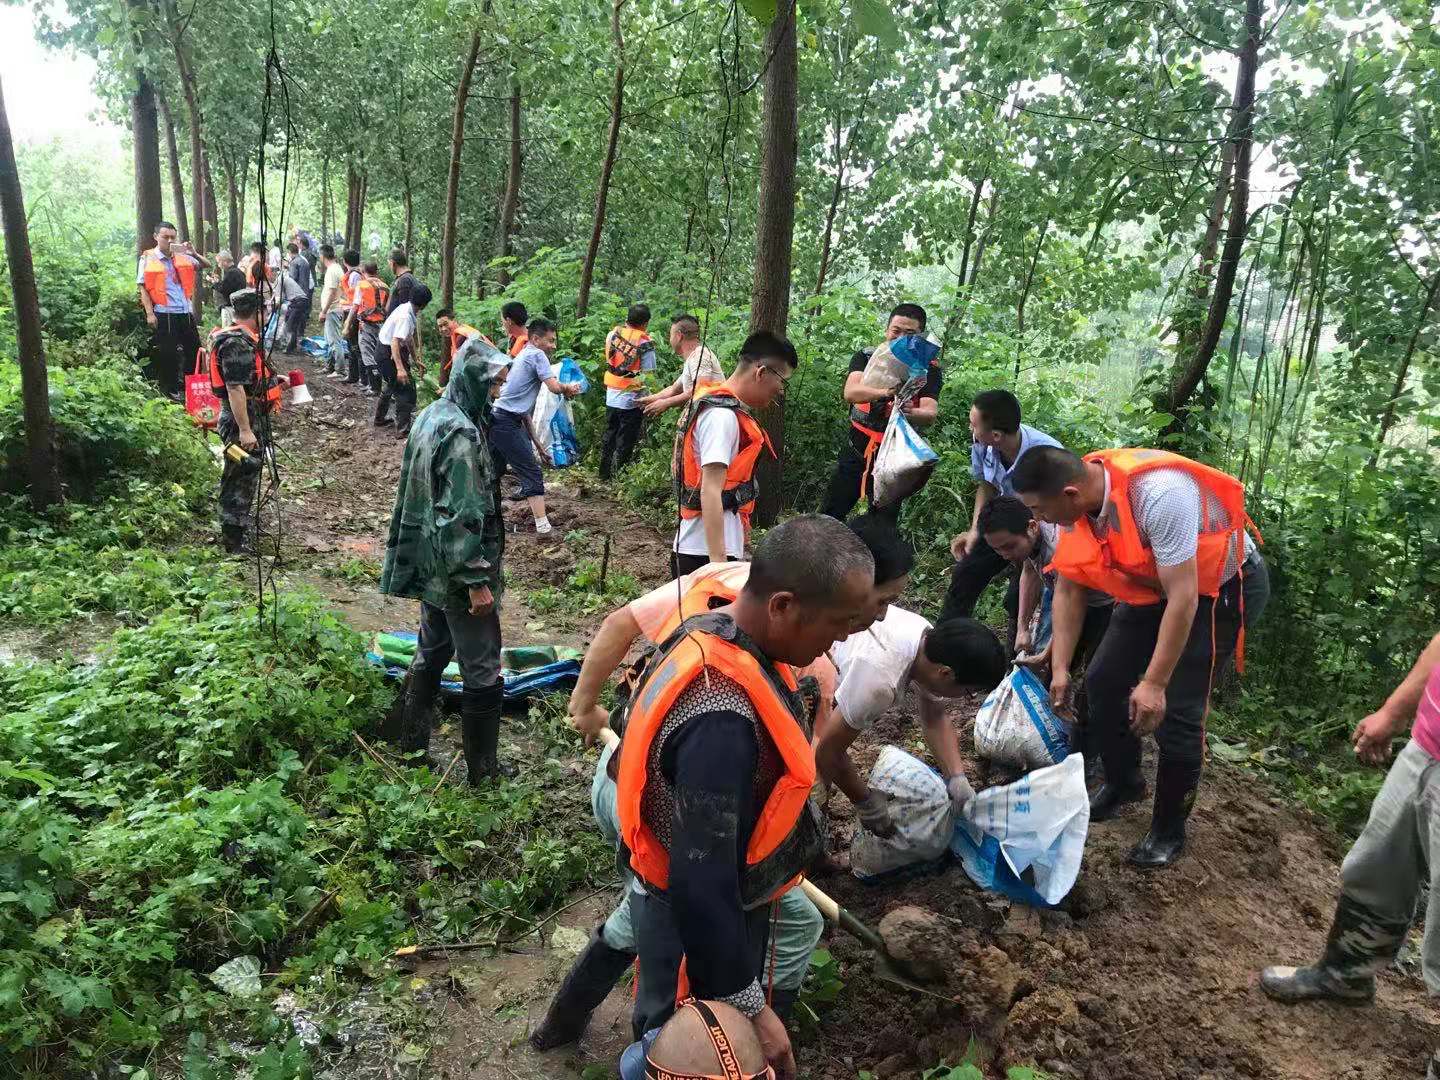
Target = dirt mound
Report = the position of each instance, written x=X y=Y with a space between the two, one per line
x=920 y=940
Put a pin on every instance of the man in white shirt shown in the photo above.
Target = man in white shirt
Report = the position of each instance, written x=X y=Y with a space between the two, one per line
x=698 y=366
x=720 y=448
x=397 y=338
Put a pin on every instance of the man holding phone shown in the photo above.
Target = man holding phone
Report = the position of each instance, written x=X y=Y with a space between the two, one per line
x=166 y=279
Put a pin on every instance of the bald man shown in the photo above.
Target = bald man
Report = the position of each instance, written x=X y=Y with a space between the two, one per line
x=704 y=1040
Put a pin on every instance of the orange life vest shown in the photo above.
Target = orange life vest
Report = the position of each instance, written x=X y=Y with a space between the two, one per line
x=781 y=844
x=458 y=337
x=740 y=488
x=1120 y=563
x=272 y=389
x=517 y=345
x=624 y=350
x=155 y=275
x=370 y=297
x=870 y=418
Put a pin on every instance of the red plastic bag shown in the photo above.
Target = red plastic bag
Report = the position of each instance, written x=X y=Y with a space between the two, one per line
x=200 y=400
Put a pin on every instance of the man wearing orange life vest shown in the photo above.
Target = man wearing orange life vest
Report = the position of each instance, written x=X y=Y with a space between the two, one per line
x=629 y=354
x=453 y=336
x=1165 y=536
x=721 y=447
x=870 y=412
x=513 y=319
x=166 y=278
x=369 y=300
x=249 y=394
x=715 y=761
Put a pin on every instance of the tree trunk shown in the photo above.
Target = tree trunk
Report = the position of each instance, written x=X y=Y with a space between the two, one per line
x=827 y=235
x=505 y=228
x=192 y=106
x=325 y=200
x=177 y=185
x=452 y=187
x=775 y=232
x=1025 y=295
x=362 y=185
x=244 y=183
x=352 y=190
x=34 y=383
x=607 y=167
x=212 y=209
x=409 y=216
x=1241 y=134
x=144 y=127
x=233 y=208
x=1387 y=421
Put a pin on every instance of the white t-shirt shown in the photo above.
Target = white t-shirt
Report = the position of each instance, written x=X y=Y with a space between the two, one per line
x=875 y=666
x=333 y=275
x=700 y=366
x=717 y=441
x=272 y=258
x=399 y=323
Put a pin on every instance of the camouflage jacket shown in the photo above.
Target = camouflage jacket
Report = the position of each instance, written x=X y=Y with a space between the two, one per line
x=446 y=532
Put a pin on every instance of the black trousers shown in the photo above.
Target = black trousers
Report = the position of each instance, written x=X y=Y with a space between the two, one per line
x=658 y=941
x=1125 y=653
x=844 y=490
x=174 y=340
x=622 y=432
x=682 y=564
x=969 y=577
x=1092 y=633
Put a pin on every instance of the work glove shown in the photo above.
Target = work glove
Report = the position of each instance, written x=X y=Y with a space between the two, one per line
x=960 y=792
x=874 y=813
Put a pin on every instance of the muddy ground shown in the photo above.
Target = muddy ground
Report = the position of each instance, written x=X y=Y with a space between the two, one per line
x=1135 y=977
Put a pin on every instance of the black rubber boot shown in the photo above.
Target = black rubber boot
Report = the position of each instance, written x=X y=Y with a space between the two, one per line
x=586 y=985
x=783 y=1002
x=1112 y=798
x=480 y=732
x=418 y=711
x=1175 y=786
x=382 y=408
x=1292 y=985
x=402 y=419
x=376 y=383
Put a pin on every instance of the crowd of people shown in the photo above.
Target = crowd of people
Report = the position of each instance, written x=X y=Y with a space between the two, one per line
x=1131 y=576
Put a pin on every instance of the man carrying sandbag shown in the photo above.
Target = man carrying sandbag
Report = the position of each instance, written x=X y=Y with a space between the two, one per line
x=1165 y=536
x=870 y=412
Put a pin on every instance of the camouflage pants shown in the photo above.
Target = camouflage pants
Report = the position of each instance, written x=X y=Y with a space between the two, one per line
x=1385 y=873
x=238 y=484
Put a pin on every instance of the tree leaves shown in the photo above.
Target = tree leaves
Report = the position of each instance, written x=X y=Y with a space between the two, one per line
x=762 y=11
x=239 y=977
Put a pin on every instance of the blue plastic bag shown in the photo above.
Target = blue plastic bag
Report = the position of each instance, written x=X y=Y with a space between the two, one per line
x=570 y=373
x=564 y=443
x=1016 y=725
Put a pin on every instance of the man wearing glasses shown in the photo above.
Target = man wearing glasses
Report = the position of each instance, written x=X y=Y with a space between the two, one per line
x=720 y=449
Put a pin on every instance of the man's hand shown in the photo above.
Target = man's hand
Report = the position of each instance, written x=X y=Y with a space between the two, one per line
x=961 y=545
x=960 y=792
x=248 y=441
x=1034 y=663
x=1060 y=690
x=482 y=600
x=1024 y=641
x=874 y=813
x=775 y=1042
x=402 y=376
x=653 y=405
x=1372 y=738
x=283 y=381
x=570 y=389
x=1147 y=707
x=588 y=720
x=150 y=317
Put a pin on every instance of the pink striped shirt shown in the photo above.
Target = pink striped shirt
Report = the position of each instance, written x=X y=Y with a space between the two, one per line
x=1427 y=717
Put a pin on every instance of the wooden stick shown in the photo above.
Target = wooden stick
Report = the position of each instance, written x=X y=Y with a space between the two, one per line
x=376 y=756
x=440 y=783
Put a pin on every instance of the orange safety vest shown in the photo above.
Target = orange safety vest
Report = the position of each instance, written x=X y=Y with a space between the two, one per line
x=273 y=389
x=370 y=297
x=155 y=275
x=1121 y=564
x=517 y=345
x=623 y=353
x=711 y=641
x=458 y=337
x=740 y=488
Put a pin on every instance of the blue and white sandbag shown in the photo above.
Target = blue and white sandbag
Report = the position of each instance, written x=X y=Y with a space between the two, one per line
x=1016 y=725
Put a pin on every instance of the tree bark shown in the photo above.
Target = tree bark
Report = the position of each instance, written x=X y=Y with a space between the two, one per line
x=505 y=227
x=362 y=185
x=775 y=232
x=1241 y=134
x=192 y=106
x=352 y=190
x=325 y=200
x=607 y=167
x=144 y=127
x=177 y=185
x=452 y=186
x=827 y=234
x=1025 y=295
x=211 y=240
x=40 y=462
x=233 y=208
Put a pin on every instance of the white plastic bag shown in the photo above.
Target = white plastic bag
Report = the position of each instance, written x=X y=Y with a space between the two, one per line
x=547 y=405
x=903 y=463
x=1037 y=824
x=1016 y=725
x=923 y=814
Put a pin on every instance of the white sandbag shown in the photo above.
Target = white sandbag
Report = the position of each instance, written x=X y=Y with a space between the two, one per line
x=896 y=364
x=1016 y=725
x=903 y=463
x=1027 y=839
x=921 y=808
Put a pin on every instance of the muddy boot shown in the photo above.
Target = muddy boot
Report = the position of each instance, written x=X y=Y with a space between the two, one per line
x=376 y=383
x=480 y=732
x=587 y=984
x=1107 y=802
x=1175 y=786
x=783 y=1002
x=418 y=711
x=1124 y=783
x=1292 y=985
x=382 y=408
x=402 y=419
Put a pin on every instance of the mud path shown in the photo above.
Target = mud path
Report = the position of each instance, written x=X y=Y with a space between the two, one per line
x=1138 y=977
